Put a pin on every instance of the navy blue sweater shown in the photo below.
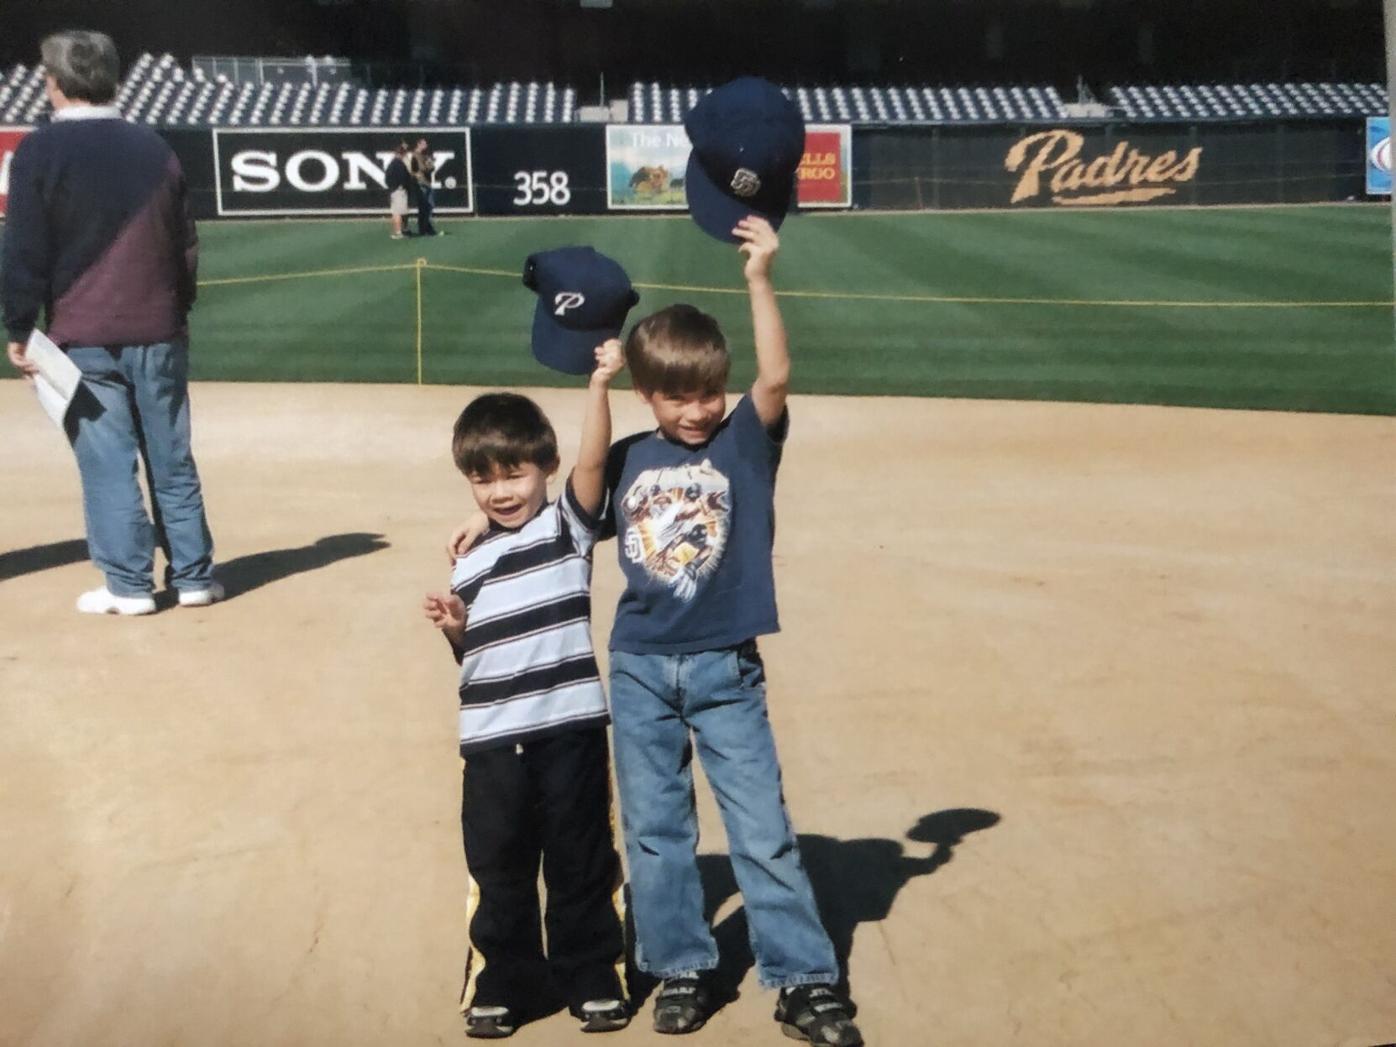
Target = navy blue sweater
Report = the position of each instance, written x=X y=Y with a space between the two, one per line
x=398 y=176
x=98 y=236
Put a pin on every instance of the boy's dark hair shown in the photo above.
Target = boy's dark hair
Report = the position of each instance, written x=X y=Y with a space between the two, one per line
x=500 y=431
x=678 y=350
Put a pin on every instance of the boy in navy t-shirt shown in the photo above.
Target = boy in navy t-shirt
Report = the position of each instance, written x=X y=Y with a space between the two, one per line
x=692 y=505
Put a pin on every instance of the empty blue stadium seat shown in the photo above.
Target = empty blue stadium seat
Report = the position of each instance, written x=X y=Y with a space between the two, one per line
x=1246 y=101
x=158 y=91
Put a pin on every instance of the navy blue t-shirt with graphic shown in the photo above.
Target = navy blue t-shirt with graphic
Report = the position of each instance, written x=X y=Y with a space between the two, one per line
x=694 y=527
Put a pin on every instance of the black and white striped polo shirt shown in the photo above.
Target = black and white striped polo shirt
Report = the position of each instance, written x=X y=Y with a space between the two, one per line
x=527 y=667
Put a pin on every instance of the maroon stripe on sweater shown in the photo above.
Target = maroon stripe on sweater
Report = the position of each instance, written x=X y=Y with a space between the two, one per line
x=139 y=289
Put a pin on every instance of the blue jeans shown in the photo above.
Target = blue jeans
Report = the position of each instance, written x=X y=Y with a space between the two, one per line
x=661 y=707
x=426 y=206
x=134 y=405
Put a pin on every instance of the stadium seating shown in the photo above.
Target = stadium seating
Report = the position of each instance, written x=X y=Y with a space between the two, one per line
x=655 y=103
x=22 y=98
x=157 y=90
x=1258 y=101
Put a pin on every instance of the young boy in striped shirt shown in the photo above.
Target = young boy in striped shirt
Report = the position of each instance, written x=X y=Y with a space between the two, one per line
x=533 y=719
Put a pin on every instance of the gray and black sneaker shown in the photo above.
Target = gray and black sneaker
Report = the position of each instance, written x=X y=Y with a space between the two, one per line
x=602 y=1015
x=682 y=1005
x=490 y=1023
x=817 y=1014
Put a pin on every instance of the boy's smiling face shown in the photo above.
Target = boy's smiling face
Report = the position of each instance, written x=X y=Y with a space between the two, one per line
x=511 y=495
x=687 y=418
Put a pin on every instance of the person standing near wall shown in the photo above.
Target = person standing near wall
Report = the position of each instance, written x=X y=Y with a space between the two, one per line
x=99 y=238
x=423 y=167
x=401 y=186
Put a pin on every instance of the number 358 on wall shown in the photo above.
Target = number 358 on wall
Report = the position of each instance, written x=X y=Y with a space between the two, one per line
x=541 y=188
x=538 y=171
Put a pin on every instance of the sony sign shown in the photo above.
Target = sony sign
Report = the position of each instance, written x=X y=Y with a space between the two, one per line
x=297 y=171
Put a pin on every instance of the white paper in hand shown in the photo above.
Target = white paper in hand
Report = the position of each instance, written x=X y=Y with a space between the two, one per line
x=58 y=379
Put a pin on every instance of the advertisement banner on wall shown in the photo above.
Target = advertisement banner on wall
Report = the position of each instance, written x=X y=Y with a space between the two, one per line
x=542 y=170
x=1062 y=167
x=1108 y=164
x=9 y=141
x=645 y=167
x=1378 y=156
x=330 y=171
x=825 y=177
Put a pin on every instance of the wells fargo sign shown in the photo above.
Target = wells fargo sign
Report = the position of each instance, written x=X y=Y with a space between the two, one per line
x=824 y=177
x=9 y=142
x=1052 y=161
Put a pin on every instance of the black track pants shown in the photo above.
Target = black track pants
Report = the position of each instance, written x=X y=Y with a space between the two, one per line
x=547 y=801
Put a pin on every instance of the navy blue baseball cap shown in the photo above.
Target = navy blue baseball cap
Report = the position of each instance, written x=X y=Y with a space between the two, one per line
x=583 y=299
x=747 y=140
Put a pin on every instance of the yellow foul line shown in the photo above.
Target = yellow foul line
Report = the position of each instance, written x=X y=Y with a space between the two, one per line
x=1094 y=302
x=985 y=300
x=421 y=263
x=846 y=296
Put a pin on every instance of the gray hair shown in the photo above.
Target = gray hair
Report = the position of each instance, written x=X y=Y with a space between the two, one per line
x=83 y=63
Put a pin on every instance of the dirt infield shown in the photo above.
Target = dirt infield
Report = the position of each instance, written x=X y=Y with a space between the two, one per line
x=1086 y=714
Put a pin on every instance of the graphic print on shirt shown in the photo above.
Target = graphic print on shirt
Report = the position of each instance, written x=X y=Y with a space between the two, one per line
x=677 y=520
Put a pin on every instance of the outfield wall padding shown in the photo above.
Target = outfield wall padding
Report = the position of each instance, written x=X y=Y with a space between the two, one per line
x=562 y=170
x=1104 y=165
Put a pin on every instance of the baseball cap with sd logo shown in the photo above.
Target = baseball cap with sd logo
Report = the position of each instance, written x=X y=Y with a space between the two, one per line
x=747 y=140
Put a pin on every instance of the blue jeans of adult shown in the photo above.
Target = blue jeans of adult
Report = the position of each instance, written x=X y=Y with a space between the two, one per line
x=134 y=406
x=426 y=207
x=663 y=706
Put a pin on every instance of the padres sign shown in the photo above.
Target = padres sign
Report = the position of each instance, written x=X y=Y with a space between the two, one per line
x=1123 y=176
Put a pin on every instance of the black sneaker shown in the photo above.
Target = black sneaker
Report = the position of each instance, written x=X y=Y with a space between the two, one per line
x=602 y=1015
x=818 y=1014
x=682 y=1005
x=490 y=1023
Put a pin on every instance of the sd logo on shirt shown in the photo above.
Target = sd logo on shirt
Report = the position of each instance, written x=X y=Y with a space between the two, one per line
x=677 y=522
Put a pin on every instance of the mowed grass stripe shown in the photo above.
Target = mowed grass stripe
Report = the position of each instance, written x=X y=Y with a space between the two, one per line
x=360 y=328
x=916 y=334
x=1046 y=304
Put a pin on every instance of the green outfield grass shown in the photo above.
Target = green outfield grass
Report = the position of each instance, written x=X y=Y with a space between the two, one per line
x=865 y=303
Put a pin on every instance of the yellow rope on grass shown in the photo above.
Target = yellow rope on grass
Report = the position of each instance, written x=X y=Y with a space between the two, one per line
x=309 y=274
x=839 y=296
x=855 y=296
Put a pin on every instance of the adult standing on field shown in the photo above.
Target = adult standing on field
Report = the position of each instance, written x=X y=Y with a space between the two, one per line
x=401 y=186
x=423 y=167
x=100 y=239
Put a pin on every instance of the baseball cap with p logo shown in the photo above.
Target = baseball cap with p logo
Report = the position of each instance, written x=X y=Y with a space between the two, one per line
x=747 y=140
x=583 y=299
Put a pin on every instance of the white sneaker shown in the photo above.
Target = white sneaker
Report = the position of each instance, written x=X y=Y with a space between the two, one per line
x=211 y=593
x=103 y=601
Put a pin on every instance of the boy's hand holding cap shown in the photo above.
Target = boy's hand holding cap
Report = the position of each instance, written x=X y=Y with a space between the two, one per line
x=610 y=361
x=747 y=140
x=583 y=300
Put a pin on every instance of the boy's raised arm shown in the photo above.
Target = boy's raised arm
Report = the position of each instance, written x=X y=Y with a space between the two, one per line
x=588 y=476
x=768 y=392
